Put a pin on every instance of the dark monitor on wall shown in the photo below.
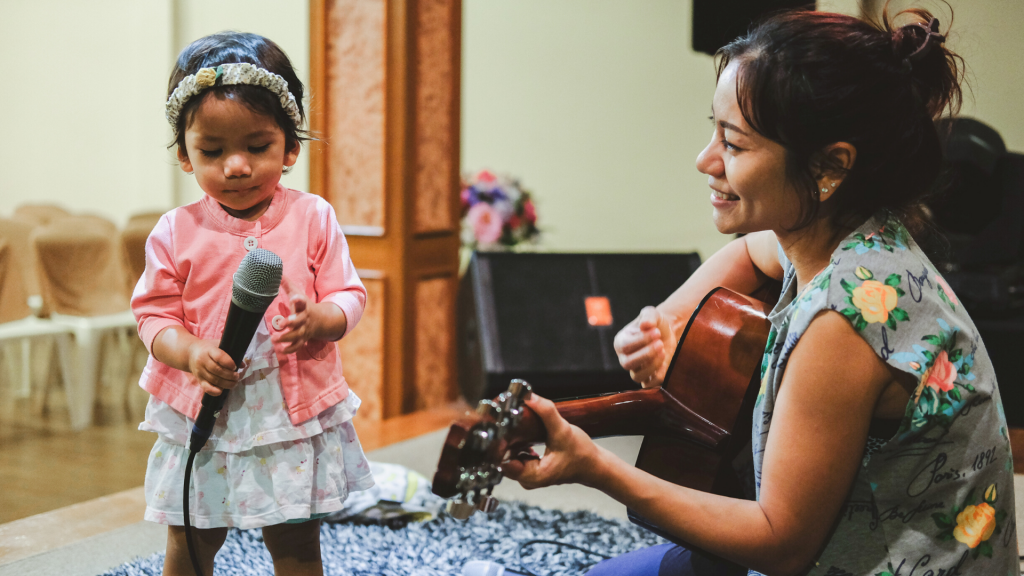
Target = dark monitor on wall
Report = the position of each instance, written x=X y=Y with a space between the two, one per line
x=718 y=22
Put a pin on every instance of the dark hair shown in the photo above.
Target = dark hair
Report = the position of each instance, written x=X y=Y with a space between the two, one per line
x=810 y=79
x=239 y=47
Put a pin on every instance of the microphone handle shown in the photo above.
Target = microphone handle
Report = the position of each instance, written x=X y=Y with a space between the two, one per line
x=239 y=330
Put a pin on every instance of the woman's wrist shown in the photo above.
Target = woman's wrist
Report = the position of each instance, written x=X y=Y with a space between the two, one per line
x=596 y=467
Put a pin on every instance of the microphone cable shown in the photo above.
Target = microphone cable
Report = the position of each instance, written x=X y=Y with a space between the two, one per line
x=519 y=553
x=188 y=528
x=254 y=286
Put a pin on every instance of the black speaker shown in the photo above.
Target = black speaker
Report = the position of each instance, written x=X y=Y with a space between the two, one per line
x=550 y=318
x=718 y=22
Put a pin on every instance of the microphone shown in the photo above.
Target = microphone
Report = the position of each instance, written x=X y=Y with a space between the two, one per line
x=254 y=286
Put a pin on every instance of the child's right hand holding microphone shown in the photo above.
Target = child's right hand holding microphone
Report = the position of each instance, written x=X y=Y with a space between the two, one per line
x=212 y=366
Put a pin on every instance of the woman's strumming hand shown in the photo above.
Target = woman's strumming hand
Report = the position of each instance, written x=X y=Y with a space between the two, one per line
x=212 y=366
x=570 y=456
x=645 y=347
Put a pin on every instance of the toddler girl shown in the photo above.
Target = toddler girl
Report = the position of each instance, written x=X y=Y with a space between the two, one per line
x=283 y=453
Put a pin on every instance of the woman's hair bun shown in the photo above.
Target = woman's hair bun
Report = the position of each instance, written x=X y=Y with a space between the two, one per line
x=920 y=52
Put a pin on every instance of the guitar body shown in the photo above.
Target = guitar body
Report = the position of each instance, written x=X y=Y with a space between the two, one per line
x=715 y=372
x=693 y=425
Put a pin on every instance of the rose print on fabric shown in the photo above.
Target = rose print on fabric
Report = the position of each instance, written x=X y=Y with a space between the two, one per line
x=946 y=293
x=944 y=377
x=973 y=523
x=893 y=236
x=873 y=302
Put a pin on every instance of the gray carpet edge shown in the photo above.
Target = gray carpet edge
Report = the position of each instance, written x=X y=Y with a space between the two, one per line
x=439 y=547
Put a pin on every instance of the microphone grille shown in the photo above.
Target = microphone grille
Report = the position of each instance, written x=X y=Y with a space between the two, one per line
x=257 y=280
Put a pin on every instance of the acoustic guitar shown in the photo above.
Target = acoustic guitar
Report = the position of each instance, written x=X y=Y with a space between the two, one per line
x=693 y=426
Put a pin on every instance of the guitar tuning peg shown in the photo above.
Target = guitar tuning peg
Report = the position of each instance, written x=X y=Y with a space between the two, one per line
x=488 y=408
x=460 y=509
x=520 y=390
x=487 y=504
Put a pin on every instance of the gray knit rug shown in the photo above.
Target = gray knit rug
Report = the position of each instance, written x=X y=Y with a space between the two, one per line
x=439 y=547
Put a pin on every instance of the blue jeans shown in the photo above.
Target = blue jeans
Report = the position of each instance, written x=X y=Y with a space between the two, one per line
x=666 y=560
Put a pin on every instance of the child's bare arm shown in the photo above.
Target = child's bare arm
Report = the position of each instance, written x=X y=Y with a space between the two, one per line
x=214 y=369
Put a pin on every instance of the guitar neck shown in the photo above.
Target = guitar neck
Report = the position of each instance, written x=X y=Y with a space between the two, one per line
x=632 y=413
x=624 y=414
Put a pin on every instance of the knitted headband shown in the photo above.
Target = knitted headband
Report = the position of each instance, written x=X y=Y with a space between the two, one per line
x=229 y=74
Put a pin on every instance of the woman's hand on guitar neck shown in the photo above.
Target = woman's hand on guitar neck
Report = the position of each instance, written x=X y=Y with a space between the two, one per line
x=645 y=347
x=569 y=454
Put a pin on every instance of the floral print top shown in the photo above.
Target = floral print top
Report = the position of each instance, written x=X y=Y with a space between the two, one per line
x=937 y=496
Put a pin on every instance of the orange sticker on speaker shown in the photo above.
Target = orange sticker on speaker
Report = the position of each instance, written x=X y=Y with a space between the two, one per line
x=599 y=310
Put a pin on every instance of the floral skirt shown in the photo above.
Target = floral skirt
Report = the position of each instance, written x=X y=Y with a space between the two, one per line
x=265 y=485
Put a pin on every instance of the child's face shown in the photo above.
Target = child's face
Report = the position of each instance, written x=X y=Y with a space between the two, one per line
x=236 y=154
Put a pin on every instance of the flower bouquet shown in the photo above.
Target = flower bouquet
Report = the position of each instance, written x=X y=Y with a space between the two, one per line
x=496 y=212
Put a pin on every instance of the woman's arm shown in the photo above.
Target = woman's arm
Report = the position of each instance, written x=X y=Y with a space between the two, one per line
x=818 y=434
x=743 y=265
x=645 y=345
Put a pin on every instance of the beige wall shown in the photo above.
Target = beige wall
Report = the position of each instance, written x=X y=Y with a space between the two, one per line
x=988 y=34
x=81 y=111
x=600 y=106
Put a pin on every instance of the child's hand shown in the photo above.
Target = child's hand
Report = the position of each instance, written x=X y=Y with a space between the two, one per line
x=308 y=321
x=212 y=366
x=300 y=326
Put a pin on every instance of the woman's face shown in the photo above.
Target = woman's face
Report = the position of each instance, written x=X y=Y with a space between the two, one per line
x=746 y=171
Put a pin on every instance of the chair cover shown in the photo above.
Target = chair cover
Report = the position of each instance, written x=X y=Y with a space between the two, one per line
x=39 y=214
x=133 y=245
x=13 y=300
x=17 y=234
x=80 y=266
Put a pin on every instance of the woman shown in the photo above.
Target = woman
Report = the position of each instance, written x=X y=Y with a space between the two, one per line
x=879 y=443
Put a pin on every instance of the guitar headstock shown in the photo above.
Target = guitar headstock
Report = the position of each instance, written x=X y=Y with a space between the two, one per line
x=470 y=463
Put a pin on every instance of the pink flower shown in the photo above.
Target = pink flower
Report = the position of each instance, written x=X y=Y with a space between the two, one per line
x=485 y=176
x=942 y=373
x=945 y=288
x=486 y=223
x=529 y=212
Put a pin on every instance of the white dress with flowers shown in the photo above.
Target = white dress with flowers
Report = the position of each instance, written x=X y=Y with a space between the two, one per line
x=934 y=493
x=258 y=469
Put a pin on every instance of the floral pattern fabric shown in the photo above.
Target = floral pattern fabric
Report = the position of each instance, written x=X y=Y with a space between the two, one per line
x=937 y=496
x=258 y=469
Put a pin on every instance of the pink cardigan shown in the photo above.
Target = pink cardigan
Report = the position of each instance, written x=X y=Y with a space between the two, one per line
x=190 y=258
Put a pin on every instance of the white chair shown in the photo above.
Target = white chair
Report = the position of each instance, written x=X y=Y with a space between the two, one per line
x=82 y=278
x=22 y=333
